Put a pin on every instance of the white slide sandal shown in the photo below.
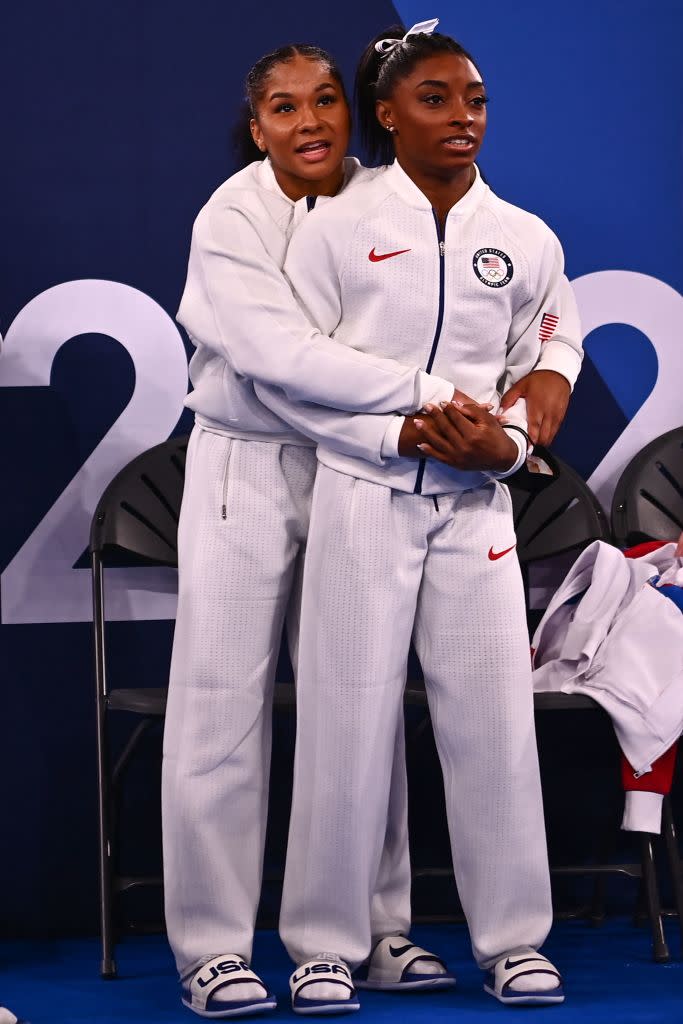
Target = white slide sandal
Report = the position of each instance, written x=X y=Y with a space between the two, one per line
x=500 y=980
x=206 y=990
x=327 y=971
x=389 y=968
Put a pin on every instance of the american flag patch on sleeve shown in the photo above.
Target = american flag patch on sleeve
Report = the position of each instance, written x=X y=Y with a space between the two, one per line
x=548 y=326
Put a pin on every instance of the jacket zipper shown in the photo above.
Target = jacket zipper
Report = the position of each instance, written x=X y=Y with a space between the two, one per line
x=441 y=236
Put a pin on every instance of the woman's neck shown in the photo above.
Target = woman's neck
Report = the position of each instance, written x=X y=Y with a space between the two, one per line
x=296 y=188
x=442 y=191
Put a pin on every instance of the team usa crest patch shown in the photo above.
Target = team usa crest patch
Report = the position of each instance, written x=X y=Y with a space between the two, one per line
x=493 y=267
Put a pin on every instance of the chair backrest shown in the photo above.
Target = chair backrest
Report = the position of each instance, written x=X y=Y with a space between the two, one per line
x=648 y=498
x=138 y=512
x=554 y=514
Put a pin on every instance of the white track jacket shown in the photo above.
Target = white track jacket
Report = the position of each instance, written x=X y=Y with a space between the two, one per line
x=476 y=304
x=609 y=634
x=260 y=368
x=239 y=312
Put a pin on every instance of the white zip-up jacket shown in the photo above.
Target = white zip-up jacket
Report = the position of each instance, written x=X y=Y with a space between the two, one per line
x=260 y=368
x=476 y=306
x=239 y=312
x=609 y=634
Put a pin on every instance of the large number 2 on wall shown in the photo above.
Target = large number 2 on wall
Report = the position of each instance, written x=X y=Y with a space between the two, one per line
x=40 y=583
x=656 y=309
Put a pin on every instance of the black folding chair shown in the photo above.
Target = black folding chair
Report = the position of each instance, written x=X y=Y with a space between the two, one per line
x=648 y=498
x=136 y=518
x=648 y=505
x=555 y=514
x=550 y=520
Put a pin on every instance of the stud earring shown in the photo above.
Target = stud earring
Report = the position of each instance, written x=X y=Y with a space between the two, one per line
x=390 y=128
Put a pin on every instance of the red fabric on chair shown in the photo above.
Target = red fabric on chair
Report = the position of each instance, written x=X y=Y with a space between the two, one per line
x=660 y=779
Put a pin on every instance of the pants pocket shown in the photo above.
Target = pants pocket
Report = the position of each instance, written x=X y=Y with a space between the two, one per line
x=225 y=477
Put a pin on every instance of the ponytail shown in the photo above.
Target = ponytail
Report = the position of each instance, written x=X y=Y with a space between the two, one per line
x=243 y=144
x=378 y=73
x=375 y=139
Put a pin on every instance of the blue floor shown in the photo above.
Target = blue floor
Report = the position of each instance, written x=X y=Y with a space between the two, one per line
x=609 y=977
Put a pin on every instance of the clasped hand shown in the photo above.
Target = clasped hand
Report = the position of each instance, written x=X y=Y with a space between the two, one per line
x=463 y=435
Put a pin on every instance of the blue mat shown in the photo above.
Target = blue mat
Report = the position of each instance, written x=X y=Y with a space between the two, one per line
x=608 y=973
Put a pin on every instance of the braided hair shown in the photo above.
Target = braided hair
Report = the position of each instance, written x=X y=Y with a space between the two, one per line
x=255 y=86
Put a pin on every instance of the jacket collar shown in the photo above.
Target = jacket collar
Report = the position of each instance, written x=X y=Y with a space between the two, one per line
x=405 y=187
x=265 y=176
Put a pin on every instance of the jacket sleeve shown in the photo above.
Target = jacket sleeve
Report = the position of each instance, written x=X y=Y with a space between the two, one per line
x=563 y=351
x=358 y=434
x=546 y=332
x=238 y=304
x=549 y=316
x=516 y=426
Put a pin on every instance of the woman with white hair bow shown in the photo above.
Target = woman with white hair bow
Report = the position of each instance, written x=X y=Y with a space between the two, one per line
x=423 y=261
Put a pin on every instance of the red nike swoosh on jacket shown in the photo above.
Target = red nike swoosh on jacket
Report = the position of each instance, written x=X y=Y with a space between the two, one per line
x=493 y=555
x=375 y=257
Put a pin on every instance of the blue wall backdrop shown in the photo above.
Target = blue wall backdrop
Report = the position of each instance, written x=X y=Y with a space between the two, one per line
x=116 y=126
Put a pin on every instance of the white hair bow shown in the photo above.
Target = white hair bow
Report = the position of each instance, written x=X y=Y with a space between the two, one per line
x=385 y=46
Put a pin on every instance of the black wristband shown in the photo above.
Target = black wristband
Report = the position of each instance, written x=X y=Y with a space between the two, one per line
x=522 y=431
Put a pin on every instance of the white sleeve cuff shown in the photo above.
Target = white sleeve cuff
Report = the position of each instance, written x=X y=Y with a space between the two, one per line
x=432 y=389
x=562 y=358
x=389 y=448
x=519 y=439
x=642 y=812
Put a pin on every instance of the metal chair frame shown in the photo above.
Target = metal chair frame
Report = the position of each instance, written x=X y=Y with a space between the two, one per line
x=138 y=515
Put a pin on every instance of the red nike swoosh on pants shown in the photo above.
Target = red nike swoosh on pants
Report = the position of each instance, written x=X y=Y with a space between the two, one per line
x=375 y=257
x=494 y=555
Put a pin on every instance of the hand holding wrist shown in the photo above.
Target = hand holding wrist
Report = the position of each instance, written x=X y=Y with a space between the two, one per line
x=509 y=453
x=409 y=438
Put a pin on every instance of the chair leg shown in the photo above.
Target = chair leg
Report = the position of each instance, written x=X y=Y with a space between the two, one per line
x=674 y=859
x=108 y=964
x=606 y=854
x=131 y=746
x=660 y=950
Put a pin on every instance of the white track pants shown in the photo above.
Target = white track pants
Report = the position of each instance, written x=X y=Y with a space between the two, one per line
x=239 y=576
x=382 y=565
